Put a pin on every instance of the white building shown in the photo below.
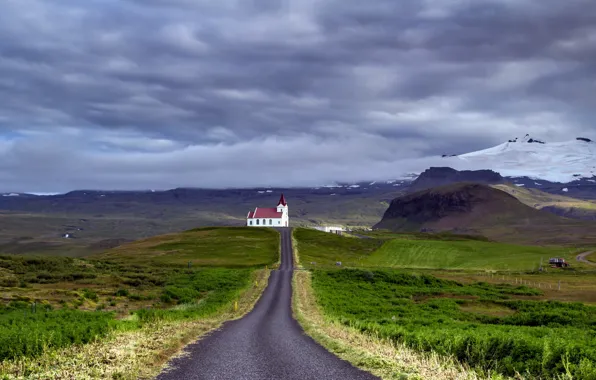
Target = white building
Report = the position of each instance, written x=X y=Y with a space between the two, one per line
x=332 y=229
x=269 y=217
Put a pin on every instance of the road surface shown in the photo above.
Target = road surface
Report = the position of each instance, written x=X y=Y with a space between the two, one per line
x=267 y=343
x=582 y=258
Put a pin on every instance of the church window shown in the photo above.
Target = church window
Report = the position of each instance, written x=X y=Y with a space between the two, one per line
x=270 y=222
x=250 y=222
x=257 y=222
x=264 y=222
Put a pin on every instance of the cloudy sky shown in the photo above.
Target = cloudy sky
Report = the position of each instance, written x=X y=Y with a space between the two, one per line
x=135 y=94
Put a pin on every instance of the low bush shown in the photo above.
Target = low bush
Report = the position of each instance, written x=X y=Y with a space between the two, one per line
x=24 y=333
x=28 y=331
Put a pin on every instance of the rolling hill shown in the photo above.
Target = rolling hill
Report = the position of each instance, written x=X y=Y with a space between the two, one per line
x=99 y=220
x=557 y=204
x=484 y=210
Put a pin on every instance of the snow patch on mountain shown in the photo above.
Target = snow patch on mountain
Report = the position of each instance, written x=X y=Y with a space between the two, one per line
x=527 y=157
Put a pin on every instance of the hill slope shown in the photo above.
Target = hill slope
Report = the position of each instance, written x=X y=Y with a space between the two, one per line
x=557 y=204
x=481 y=209
x=206 y=247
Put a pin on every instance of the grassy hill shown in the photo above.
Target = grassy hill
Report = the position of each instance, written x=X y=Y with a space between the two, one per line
x=209 y=246
x=416 y=251
x=325 y=249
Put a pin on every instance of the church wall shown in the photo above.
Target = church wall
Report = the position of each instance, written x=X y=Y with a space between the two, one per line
x=277 y=222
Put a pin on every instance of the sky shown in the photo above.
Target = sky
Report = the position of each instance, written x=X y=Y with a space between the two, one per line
x=157 y=94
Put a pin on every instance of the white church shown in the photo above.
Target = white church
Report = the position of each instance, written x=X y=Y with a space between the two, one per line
x=269 y=217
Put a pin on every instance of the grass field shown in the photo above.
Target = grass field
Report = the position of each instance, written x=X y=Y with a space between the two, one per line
x=489 y=327
x=26 y=330
x=446 y=236
x=53 y=302
x=215 y=246
x=409 y=251
x=482 y=303
x=326 y=249
x=473 y=255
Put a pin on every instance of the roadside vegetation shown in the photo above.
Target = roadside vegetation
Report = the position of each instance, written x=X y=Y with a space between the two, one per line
x=482 y=304
x=382 y=357
x=488 y=327
x=52 y=303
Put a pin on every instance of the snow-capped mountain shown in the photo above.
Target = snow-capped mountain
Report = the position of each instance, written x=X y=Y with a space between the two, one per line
x=556 y=162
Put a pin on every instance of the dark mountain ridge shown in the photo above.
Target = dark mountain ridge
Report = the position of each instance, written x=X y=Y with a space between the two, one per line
x=473 y=208
x=439 y=176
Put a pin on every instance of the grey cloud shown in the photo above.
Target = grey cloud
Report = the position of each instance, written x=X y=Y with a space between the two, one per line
x=439 y=77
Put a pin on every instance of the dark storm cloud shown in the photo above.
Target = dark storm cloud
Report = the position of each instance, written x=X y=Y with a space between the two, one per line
x=129 y=86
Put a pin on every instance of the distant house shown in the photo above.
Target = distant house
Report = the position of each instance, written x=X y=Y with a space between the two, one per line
x=332 y=229
x=269 y=217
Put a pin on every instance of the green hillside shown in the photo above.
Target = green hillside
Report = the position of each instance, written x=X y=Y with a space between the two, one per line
x=51 y=303
x=409 y=251
x=463 y=255
x=209 y=246
x=326 y=249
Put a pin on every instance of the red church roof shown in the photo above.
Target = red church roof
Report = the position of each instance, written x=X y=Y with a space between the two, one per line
x=282 y=201
x=264 y=212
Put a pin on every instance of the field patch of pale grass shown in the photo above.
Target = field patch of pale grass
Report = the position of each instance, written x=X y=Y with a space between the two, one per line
x=138 y=354
x=380 y=357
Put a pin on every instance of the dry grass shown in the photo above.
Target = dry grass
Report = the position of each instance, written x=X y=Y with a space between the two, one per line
x=295 y=252
x=132 y=354
x=540 y=199
x=379 y=357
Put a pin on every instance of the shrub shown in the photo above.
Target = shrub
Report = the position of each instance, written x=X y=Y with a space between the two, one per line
x=90 y=295
x=121 y=293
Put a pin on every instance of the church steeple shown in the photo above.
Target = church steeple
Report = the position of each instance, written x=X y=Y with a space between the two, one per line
x=282 y=201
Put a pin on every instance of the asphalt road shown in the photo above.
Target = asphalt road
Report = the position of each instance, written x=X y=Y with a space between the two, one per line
x=267 y=343
x=582 y=258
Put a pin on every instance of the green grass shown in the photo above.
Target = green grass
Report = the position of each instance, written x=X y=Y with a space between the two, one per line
x=446 y=236
x=210 y=246
x=79 y=300
x=473 y=255
x=482 y=325
x=24 y=332
x=326 y=249
x=191 y=294
x=445 y=251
